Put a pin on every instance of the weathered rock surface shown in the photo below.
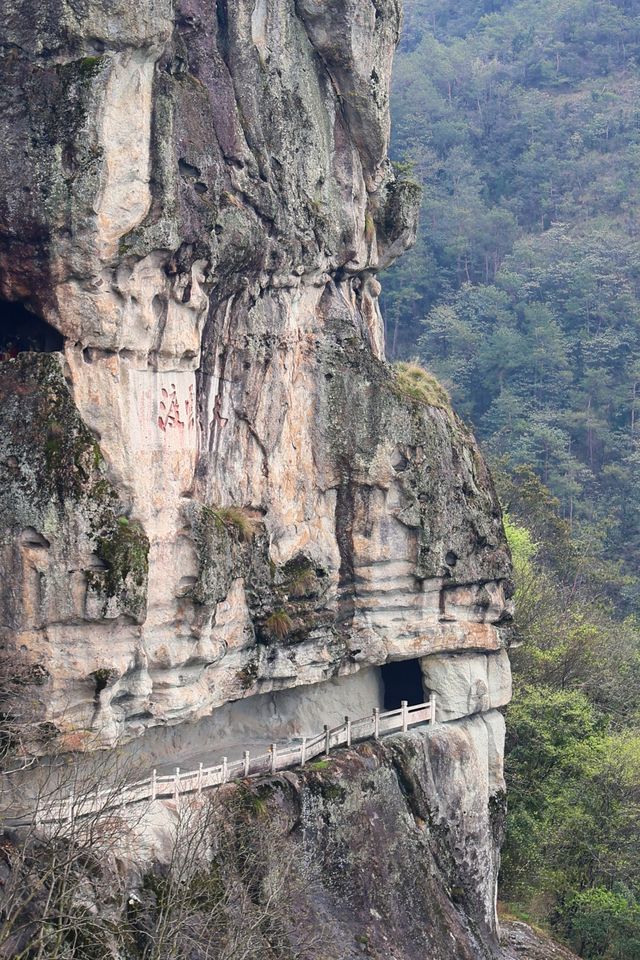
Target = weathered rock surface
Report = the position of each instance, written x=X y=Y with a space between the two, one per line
x=408 y=833
x=212 y=486
x=467 y=683
x=522 y=942
x=405 y=833
x=217 y=489
x=390 y=847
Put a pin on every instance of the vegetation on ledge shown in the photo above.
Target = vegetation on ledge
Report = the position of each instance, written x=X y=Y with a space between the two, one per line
x=417 y=384
x=278 y=625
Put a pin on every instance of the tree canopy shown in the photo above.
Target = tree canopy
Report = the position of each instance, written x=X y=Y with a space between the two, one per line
x=521 y=119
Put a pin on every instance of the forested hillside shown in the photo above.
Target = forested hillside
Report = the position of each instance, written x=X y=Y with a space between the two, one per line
x=521 y=119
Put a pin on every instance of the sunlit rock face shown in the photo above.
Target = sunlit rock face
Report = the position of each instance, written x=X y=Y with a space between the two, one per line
x=218 y=489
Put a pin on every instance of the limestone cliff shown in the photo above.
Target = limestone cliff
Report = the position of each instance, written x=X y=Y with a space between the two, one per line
x=198 y=200
x=212 y=485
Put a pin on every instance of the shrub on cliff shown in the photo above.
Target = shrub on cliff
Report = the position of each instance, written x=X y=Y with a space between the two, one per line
x=415 y=383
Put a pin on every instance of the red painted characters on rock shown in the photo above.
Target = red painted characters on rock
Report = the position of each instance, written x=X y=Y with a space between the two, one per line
x=176 y=413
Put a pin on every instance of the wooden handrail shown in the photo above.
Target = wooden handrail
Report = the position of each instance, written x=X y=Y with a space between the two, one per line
x=195 y=781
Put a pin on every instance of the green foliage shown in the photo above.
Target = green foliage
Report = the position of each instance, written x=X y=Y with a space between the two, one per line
x=523 y=550
x=519 y=119
x=88 y=67
x=605 y=924
x=522 y=295
x=125 y=550
x=572 y=855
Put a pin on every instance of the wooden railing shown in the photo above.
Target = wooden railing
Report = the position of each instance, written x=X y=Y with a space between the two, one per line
x=179 y=783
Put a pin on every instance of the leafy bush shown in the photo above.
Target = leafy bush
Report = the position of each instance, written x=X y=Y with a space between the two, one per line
x=604 y=924
x=572 y=854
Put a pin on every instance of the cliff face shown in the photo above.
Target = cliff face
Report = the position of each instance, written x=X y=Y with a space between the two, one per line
x=211 y=484
x=216 y=487
x=404 y=837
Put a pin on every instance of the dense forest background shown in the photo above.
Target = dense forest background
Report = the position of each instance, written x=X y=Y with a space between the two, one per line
x=521 y=119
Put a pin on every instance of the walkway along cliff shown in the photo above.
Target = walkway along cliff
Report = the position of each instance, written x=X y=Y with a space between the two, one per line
x=212 y=486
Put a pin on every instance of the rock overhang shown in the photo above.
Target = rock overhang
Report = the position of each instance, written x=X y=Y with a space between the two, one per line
x=209 y=202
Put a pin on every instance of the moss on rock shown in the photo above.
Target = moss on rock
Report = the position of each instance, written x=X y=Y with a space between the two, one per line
x=445 y=490
x=53 y=478
x=47 y=454
x=124 y=548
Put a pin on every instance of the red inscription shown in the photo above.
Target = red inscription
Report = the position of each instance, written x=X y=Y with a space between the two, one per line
x=175 y=413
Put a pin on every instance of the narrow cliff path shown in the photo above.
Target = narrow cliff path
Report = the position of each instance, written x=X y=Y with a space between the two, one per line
x=232 y=749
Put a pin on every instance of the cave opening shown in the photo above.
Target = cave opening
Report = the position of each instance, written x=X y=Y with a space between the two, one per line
x=23 y=332
x=402 y=680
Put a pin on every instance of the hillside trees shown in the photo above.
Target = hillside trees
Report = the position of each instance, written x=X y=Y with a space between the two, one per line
x=522 y=294
x=572 y=855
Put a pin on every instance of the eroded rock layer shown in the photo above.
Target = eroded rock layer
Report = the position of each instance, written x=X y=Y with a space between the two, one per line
x=211 y=483
x=391 y=848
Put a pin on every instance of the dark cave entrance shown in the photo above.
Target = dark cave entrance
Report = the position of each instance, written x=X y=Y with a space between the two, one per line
x=402 y=680
x=23 y=332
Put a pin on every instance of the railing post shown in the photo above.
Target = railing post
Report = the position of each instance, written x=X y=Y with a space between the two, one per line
x=199 y=778
x=65 y=807
x=432 y=708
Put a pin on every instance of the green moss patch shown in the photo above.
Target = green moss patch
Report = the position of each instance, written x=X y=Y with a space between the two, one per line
x=53 y=477
x=125 y=550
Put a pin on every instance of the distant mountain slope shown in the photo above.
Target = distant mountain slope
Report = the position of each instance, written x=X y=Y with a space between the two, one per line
x=522 y=121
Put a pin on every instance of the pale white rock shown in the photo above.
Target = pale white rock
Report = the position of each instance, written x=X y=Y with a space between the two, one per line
x=467 y=683
x=126 y=130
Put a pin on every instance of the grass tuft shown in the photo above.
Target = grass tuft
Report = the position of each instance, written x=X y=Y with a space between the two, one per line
x=417 y=384
x=245 y=525
x=303 y=583
x=279 y=625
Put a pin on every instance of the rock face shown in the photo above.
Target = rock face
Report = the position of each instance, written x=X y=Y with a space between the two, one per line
x=522 y=942
x=212 y=486
x=398 y=841
x=407 y=833
x=215 y=487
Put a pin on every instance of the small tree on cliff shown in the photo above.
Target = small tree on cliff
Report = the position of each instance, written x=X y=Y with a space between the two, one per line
x=22 y=722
